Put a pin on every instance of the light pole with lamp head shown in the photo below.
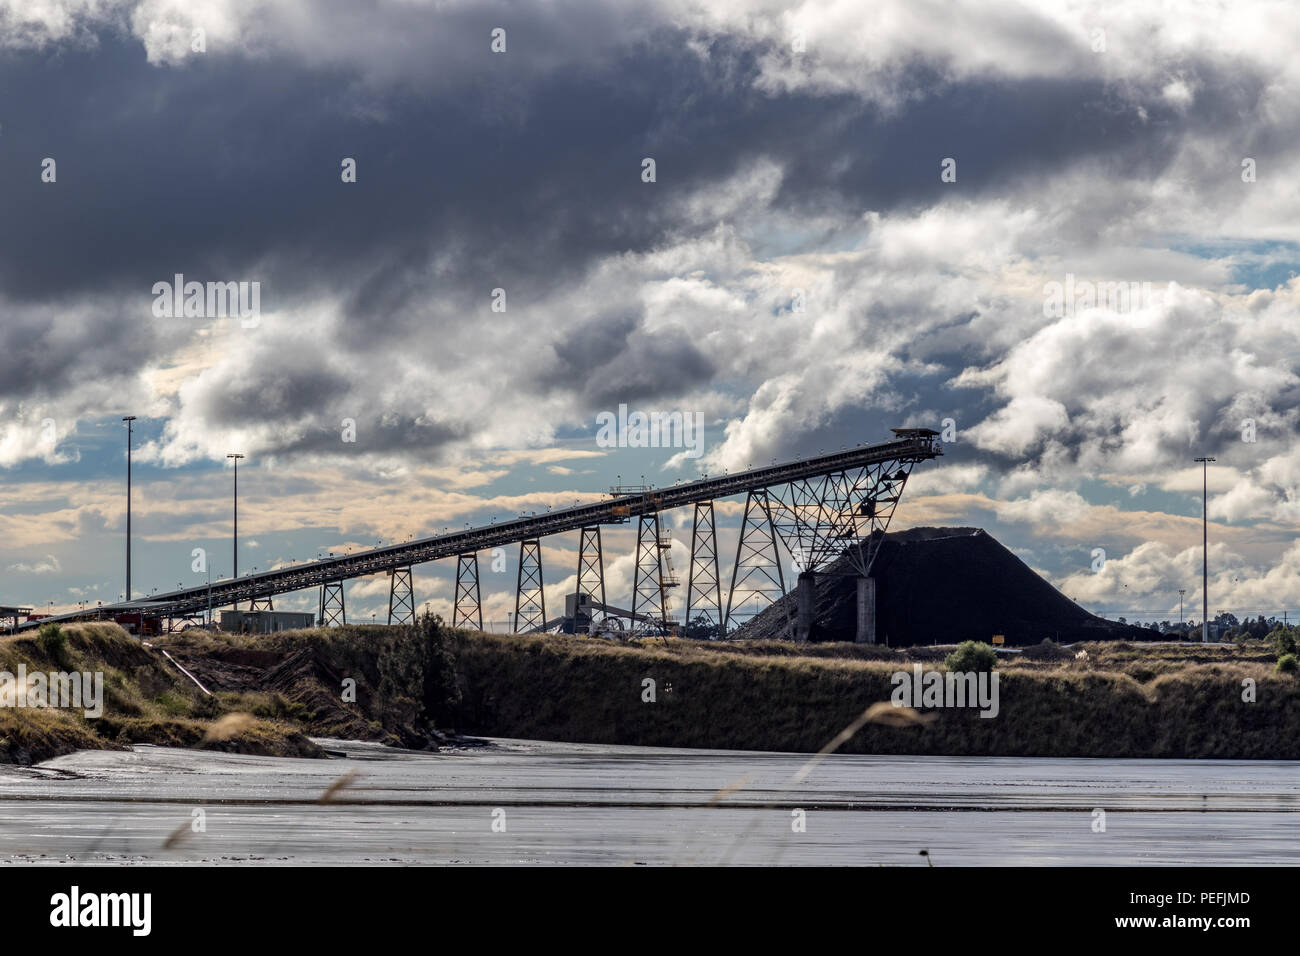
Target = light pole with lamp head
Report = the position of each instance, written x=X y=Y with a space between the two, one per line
x=128 y=419
x=234 y=549
x=1205 y=550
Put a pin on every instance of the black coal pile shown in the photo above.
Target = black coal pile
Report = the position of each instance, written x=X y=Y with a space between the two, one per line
x=943 y=586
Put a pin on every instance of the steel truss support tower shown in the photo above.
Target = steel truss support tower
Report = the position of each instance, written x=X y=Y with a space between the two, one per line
x=756 y=579
x=591 y=565
x=468 y=611
x=844 y=512
x=262 y=604
x=648 y=581
x=704 y=581
x=333 y=613
x=401 y=596
x=530 y=601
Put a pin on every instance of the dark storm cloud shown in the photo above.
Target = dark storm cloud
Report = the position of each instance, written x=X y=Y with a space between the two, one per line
x=45 y=352
x=308 y=406
x=613 y=359
x=291 y=392
x=383 y=434
x=210 y=168
x=592 y=345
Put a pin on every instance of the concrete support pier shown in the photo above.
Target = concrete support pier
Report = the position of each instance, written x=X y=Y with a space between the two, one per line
x=804 y=597
x=866 y=633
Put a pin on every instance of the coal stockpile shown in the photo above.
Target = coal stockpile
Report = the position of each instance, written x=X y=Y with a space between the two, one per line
x=943 y=586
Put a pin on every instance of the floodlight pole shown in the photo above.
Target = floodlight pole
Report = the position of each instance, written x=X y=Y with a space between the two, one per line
x=128 y=419
x=1205 y=551
x=234 y=550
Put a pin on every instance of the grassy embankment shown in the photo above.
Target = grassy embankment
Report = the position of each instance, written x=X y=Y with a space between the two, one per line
x=1118 y=700
x=266 y=694
x=145 y=700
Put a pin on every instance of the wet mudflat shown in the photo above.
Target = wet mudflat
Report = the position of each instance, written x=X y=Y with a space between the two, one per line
x=526 y=802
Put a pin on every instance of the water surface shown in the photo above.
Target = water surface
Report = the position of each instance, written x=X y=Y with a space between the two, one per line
x=548 y=803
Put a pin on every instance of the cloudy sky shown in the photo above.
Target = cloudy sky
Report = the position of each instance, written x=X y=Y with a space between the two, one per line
x=935 y=183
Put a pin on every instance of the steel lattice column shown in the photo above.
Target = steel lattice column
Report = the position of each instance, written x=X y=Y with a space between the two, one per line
x=843 y=512
x=648 y=580
x=468 y=611
x=756 y=578
x=591 y=566
x=667 y=579
x=401 y=597
x=530 y=601
x=261 y=604
x=332 y=610
x=704 y=581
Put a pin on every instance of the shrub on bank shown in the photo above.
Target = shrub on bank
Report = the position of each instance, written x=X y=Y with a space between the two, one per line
x=1283 y=640
x=1287 y=664
x=972 y=657
x=417 y=671
x=53 y=643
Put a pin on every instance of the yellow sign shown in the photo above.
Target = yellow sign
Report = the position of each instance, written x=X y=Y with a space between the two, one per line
x=999 y=639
